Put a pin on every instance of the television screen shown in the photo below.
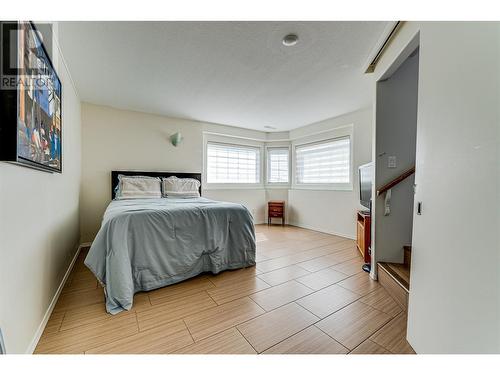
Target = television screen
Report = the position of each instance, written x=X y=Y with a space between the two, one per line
x=39 y=102
x=365 y=184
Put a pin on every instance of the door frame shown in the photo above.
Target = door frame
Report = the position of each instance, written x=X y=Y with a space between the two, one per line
x=404 y=53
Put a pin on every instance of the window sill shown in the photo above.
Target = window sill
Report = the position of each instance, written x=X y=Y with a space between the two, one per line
x=323 y=188
x=232 y=187
x=278 y=186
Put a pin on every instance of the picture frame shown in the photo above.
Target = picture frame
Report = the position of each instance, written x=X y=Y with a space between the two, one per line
x=31 y=126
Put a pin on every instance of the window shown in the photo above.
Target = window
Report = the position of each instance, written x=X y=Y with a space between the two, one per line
x=277 y=165
x=325 y=162
x=232 y=164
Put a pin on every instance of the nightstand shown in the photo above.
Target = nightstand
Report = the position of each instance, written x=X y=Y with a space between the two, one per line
x=363 y=238
x=276 y=209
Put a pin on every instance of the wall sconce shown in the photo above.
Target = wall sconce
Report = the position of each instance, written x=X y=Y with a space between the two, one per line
x=176 y=139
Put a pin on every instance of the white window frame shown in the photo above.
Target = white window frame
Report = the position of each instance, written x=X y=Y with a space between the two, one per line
x=228 y=140
x=335 y=134
x=278 y=184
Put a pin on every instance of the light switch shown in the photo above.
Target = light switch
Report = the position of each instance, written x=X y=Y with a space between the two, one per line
x=391 y=162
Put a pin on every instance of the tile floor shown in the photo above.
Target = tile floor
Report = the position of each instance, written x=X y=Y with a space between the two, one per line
x=307 y=294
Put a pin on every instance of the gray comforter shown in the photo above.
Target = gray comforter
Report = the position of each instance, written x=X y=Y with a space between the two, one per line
x=145 y=244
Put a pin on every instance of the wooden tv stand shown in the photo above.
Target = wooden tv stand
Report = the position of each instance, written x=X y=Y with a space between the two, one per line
x=363 y=238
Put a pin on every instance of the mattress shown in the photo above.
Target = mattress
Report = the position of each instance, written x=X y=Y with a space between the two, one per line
x=144 y=244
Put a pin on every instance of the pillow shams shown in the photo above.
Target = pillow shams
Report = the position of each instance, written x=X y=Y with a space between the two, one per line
x=181 y=187
x=130 y=187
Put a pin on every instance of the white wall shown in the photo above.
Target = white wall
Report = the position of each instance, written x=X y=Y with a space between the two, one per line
x=116 y=139
x=454 y=304
x=396 y=117
x=333 y=211
x=39 y=229
x=253 y=199
x=253 y=196
x=126 y=140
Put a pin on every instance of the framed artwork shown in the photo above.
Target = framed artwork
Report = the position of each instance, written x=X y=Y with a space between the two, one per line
x=30 y=100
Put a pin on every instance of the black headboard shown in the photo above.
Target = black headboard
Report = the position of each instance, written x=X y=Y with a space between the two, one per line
x=114 y=177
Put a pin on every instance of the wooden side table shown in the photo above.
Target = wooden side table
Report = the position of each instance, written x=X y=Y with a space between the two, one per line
x=276 y=209
x=363 y=238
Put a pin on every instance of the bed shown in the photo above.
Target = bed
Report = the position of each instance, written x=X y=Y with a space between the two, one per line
x=149 y=243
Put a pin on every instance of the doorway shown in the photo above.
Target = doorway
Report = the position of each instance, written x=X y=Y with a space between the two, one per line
x=395 y=155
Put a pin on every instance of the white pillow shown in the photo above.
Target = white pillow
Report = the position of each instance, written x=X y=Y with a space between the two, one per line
x=131 y=187
x=181 y=187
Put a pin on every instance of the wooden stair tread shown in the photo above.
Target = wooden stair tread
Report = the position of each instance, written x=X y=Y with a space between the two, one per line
x=400 y=272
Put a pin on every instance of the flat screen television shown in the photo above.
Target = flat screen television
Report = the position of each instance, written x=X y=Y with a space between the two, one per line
x=365 y=185
x=30 y=100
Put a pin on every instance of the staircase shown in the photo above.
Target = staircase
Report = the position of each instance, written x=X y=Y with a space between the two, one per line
x=395 y=278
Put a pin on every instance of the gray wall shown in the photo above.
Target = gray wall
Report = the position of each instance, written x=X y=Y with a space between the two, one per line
x=396 y=118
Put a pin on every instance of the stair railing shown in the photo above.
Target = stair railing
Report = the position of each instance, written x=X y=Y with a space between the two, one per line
x=396 y=181
x=387 y=188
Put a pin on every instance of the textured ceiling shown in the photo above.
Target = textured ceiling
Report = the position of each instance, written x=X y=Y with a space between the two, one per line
x=233 y=73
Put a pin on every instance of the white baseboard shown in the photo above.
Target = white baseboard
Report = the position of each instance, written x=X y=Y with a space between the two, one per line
x=41 y=327
x=322 y=230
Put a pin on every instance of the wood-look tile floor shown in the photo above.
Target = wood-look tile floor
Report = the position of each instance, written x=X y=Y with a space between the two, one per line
x=307 y=294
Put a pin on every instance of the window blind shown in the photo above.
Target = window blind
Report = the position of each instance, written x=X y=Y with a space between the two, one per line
x=325 y=162
x=277 y=165
x=232 y=164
